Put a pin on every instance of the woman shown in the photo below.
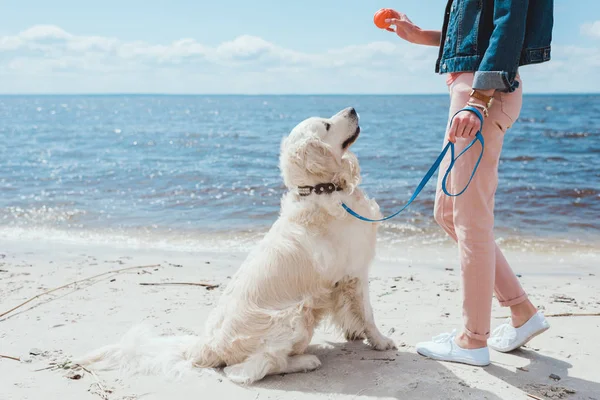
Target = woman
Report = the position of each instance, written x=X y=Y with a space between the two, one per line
x=482 y=44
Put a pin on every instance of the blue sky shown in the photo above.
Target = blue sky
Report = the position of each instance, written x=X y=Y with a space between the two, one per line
x=260 y=46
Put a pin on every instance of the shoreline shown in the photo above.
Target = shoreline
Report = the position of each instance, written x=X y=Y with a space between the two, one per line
x=245 y=240
x=415 y=295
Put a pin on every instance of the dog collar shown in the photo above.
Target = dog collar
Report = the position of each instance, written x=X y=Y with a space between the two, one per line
x=321 y=188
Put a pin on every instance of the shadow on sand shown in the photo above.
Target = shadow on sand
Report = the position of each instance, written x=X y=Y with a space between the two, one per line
x=353 y=369
x=536 y=379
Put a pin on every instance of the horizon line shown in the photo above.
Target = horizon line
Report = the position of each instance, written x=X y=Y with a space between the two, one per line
x=276 y=94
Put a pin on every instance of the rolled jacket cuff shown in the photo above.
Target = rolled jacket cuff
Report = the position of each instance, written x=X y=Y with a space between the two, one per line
x=499 y=80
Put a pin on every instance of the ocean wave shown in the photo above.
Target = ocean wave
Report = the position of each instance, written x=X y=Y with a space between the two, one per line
x=549 y=192
x=569 y=135
x=531 y=120
x=139 y=239
x=41 y=215
x=519 y=158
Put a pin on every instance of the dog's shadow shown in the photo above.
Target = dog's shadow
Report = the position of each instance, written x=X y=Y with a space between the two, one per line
x=353 y=369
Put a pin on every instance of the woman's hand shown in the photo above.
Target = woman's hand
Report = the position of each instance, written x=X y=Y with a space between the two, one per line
x=464 y=125
x=412 y=33
x=404 y=27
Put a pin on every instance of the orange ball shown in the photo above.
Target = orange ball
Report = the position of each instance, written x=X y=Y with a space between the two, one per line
x=382 y=15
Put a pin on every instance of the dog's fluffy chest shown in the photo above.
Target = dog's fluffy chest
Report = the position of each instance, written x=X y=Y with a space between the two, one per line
x=341 y=245
x=353 y=243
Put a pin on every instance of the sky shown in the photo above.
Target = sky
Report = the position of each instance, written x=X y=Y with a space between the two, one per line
x=254 y=47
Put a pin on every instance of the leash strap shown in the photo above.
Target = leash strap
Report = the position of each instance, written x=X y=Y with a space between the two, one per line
x=435 y=166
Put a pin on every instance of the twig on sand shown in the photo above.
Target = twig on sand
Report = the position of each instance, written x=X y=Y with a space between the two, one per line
x=92 y=373
x=208 y=286
x=10 y=357
x=533 y=396
x=44 y=369
x=97 y=386
x=566 y=315
x=102 y=391
x=76 y=282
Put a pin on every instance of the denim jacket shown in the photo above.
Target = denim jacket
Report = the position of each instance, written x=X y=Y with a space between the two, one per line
x=493 y=38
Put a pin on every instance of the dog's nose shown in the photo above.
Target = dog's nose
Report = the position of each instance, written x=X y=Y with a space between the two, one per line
x=348 y=112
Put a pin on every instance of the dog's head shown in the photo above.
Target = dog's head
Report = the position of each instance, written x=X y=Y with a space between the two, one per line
x=317 y=151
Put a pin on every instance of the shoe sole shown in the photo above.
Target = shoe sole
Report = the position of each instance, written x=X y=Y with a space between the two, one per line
x=527 y=340
x=465 y=362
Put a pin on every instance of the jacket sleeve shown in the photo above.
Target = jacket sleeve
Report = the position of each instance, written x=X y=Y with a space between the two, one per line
x=498 y=67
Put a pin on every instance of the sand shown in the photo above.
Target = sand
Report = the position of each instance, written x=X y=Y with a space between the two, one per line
x=415 y=293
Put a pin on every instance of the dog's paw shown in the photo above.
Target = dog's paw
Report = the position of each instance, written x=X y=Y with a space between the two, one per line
x=382 y=343
x=354 y=336
x=304 y=363
x=237 y=373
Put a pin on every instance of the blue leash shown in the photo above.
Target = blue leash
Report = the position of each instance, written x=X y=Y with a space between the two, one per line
x=434 y=167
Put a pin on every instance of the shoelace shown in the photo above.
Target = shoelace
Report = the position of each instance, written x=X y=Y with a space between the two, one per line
x=504 y=334
x=503 y=329
x=445 y=337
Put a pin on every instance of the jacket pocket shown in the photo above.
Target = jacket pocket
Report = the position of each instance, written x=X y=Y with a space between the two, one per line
x=469 y=15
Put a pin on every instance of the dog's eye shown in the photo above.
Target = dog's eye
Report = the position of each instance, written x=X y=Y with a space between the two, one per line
x=327 y=125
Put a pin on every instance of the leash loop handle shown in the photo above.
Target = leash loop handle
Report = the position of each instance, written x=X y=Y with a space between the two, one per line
x=478 y=137
x=434 y=167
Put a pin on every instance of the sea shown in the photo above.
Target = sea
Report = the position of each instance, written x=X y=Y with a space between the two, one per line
x=201 y=172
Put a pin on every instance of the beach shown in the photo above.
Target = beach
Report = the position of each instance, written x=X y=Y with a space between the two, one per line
x=415 y=294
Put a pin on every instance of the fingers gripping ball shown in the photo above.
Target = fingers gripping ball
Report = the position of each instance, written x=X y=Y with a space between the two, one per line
x=382 y=15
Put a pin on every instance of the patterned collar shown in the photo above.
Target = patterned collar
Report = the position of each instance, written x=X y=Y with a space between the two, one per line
x=321 y=188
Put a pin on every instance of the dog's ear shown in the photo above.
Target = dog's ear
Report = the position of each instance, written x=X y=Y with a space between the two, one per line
x=315 y=156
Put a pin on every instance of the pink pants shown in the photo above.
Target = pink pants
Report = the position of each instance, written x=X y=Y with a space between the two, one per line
x=469 y=218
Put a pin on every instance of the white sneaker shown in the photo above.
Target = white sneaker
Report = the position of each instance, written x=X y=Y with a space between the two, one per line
x=506 y=337
x=444 y=348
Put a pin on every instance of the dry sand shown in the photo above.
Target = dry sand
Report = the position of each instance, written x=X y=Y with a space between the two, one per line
x=415 y=295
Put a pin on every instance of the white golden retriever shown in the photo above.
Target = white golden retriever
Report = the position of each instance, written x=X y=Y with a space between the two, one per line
x=312 y=264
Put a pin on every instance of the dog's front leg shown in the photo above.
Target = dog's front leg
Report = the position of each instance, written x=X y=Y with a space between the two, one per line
x=354 y=315
x=375 y=338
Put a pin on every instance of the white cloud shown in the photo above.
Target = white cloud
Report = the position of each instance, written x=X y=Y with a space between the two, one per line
x=591 y=29
x=41 y=32
x=9 y=43
x=46 y=58
x=246 y=48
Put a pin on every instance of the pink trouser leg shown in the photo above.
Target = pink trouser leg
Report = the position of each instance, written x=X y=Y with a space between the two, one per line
x=469 y=218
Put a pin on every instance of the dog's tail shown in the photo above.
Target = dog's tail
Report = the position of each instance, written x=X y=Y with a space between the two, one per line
x=142 y=351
